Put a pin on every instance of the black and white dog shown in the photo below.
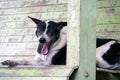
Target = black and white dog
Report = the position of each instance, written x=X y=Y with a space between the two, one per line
x=52 y=44
x=52 y=47
x=108 y=53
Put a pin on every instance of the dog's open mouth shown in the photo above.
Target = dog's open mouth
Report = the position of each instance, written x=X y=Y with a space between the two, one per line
x=45 y=48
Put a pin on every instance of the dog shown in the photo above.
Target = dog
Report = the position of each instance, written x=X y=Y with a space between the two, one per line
x=108 y=53
x=52 y=44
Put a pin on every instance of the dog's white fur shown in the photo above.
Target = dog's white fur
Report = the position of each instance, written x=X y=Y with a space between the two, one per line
x=44 y=35
x=100 y=51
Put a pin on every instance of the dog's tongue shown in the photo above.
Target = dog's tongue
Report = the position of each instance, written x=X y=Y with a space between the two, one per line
x=44 y=50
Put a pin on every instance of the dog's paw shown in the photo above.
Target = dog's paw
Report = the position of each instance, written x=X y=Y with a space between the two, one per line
x=9 y=62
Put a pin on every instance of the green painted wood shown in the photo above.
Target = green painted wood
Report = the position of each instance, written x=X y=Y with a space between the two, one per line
x=108 y=31
x=36 y=71
x=33 y=78
x=87 y=62
x=108 y=3
x=108 y=11
x=108 y=20
x=108 y=15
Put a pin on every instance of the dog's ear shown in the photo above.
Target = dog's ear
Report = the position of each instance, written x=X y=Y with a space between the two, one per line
x=35 y=20
x=61 y=25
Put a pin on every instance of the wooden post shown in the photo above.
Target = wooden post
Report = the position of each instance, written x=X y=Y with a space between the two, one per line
x=73 y=33
x=87 y=60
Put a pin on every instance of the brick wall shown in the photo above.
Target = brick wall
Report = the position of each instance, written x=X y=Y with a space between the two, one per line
x=17 y=38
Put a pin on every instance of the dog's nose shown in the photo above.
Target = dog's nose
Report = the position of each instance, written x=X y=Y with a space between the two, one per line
x=42 y=40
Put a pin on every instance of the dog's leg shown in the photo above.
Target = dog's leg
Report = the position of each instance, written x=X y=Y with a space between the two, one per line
x=20 y=62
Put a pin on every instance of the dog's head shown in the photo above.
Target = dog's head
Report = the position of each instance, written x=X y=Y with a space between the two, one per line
x=47 y=33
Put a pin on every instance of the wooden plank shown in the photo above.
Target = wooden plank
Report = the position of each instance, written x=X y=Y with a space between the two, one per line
x=38 y=9
x=33 y=78
x=17 y=25
x=108 y=31
x=62 y=1
x=6 y=0
x=86 y=69
x=11 y=38
x=108 y=15
x=37 y=71
x=43 y=16
x=108 y=3
x=22 y=57
x=18 y=39
x=73 y=32
x=108 y=11
x=59 y=1
x=18 y=46
x=25 y=3
x=108 y=19
x=24 y=52
x=18 y=32
x=108 y=28
x=109 y=35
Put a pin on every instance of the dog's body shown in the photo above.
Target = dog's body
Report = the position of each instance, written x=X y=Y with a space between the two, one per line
x=108 y=53
x=52 y=44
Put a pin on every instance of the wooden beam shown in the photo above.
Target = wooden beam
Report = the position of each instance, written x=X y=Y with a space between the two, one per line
x=87 y=67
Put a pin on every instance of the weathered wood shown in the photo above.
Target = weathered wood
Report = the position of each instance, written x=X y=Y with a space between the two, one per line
x=15 y=57
x=108 y=15
x=33 y=78
x=108 y=31
x=53 y=71
x=87 y=62
x=38 y=9
x=108 y=19
x=17 y=32
x=18 y=46
x=43 y=16
x=18 y=39
x=73 y=32
x=108 y=3
x=36 y=71
x=25 y=3
x=108 y=11
x=25 y=52
x=17 y=25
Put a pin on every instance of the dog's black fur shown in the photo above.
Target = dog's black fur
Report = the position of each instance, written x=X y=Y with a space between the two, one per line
x=110 y=56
